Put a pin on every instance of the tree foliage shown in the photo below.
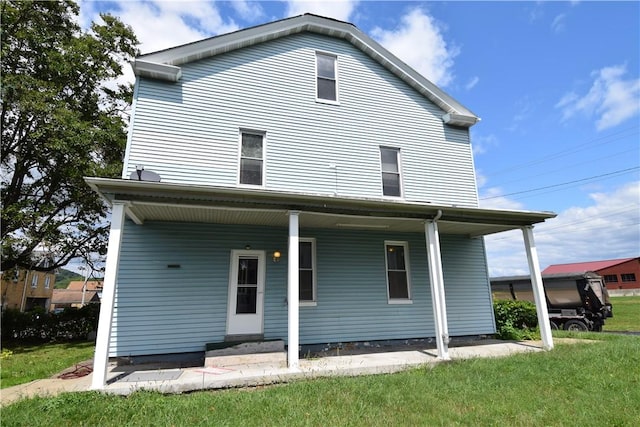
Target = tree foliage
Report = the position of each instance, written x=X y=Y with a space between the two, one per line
x=63 y=118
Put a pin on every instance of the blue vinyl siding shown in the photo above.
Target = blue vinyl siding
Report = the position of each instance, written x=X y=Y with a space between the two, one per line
x=165 y=310
x=188 y=131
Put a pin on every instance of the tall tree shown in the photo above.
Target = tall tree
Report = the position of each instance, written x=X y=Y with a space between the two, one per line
x=63 y=118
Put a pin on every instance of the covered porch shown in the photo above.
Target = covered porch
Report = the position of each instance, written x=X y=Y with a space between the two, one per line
x=145 y=202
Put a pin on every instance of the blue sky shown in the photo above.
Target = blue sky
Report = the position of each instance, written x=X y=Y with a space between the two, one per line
x=556 y=84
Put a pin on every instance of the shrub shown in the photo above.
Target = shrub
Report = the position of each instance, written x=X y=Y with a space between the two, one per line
x=72 y=324
x=515 y=320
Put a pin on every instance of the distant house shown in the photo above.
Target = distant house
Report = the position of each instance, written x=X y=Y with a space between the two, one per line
x=621 y=273
x=78 y=294
x=70 y=298
x=307 y=186
x=24 y=289
x=91 y=285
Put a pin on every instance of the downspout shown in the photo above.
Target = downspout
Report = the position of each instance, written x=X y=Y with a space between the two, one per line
x=438 y=215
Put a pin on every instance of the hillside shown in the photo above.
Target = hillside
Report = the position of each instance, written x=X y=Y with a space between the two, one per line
x=64 y=277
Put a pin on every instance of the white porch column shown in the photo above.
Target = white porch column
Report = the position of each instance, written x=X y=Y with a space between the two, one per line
x=436 y=279
x=293 y=339
x=101 y=357
x=538 y=289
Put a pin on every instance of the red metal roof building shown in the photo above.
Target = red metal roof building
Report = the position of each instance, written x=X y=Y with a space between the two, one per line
x=621 y=273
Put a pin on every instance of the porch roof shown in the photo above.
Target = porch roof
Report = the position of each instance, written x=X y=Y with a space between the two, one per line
x=159 y=201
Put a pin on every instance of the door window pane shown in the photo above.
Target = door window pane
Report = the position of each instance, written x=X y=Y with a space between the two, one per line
x=246 y=300
x=248 y=271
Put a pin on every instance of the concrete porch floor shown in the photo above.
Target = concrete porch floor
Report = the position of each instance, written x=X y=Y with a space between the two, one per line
x=125 y=380
x=128 y=379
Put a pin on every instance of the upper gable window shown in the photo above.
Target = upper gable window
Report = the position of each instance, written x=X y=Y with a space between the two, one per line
x=390 y=163
x=251 y=158
x=327 y=80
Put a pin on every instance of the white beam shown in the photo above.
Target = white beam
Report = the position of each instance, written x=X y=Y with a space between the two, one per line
x=538 y=288
x=436 y=278
x=101 y=358
x=293 y=339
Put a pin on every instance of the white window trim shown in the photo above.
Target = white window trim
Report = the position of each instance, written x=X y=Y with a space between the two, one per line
x=34 y=280
x=47 y=282
x=336 y=68
x=405 y=245
x=313 y=303
x=263 y=134
x=399 y=159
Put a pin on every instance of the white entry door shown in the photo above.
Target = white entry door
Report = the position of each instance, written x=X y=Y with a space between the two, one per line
x=246 y=292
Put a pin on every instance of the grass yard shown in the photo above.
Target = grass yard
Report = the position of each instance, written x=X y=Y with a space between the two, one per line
x=24 y=363
x=626 y=314
x=591 y=384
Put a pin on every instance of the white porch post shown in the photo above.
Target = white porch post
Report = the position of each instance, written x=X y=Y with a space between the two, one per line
x=436 y=279
x=293 y=290
x=101 y=357
x=538 y=289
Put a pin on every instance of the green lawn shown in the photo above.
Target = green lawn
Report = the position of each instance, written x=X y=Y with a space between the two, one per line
x=626 y=314
x=24 y=363
x=590 y=384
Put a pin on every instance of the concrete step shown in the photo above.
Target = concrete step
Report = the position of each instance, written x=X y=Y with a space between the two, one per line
x=248 y=353
x=277 y=359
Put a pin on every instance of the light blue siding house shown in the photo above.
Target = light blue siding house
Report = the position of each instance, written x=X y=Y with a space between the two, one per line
x=313 y=188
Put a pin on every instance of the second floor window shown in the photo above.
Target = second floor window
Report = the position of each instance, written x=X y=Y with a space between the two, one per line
x=47 y=282
x=34 y=280
x=251 y=158
x=327 y=82
x=390 y=159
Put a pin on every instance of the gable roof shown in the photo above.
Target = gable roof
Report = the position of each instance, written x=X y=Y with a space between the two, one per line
x=584 y=266
x=92 y=285
x=70 y=296
x=165 y=64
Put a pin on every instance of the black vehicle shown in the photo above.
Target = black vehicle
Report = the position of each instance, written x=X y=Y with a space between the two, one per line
x=575 y=301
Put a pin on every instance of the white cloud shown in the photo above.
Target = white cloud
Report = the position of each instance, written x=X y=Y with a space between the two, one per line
x=611 y=99
x=163 y=24
x=418 y=41
x=471 y=83
x=336 y=9
x=250 y=11
x=481 y=143
x=607 y=229
x=558 y=25
x=493 y=199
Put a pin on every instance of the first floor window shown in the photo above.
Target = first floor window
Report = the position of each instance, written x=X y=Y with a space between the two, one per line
x=390 y=162
x=397 y=270
x=251 y=158
x=610 y=278
x=307 y=261
x=34 y=280
x=628 y=277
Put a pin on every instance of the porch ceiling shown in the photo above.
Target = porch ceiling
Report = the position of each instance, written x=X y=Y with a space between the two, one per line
x=153 y=201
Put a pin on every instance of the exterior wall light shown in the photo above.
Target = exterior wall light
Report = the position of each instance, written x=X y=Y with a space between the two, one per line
x=276 y=256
